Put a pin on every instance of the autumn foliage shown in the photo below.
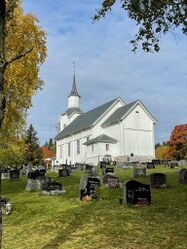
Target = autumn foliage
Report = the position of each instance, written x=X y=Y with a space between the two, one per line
x=22 y=75
x=178 y=143
x=46 y=152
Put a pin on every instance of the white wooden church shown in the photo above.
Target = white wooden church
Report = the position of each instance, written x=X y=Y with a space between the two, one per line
x=124 y=131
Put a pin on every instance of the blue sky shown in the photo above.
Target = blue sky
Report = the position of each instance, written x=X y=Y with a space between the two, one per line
x=105 y=66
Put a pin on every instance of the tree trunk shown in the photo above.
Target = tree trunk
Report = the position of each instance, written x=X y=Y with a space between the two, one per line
x=2 y=71
x=2 y=58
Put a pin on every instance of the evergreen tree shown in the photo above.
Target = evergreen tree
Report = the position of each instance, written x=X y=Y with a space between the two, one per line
x=33 y=151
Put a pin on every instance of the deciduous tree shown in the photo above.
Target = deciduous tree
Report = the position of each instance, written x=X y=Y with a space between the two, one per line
x=160 y=152
x=153 y=17
x=178 y=143
x=12 y=151
x=22 y=50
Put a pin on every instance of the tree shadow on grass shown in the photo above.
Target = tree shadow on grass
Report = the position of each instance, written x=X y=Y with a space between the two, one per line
x=76 y=218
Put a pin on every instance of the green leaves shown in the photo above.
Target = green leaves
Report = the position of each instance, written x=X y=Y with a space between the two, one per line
x=152 y=17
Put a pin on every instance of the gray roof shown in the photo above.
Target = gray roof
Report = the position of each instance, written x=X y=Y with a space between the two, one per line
x=84 y=121
x=72 y=110
x=118 y=114
x=74 y=91
x=103 y=138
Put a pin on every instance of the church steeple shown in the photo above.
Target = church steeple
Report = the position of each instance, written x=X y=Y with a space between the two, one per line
x=74 y=97
x=74 y=91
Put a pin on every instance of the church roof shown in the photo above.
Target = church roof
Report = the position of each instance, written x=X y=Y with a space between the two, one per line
x=118 y=114
x=84 y=121
x=103 y=138
x=74 y=91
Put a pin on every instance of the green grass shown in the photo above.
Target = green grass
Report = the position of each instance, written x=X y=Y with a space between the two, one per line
x=64 y=222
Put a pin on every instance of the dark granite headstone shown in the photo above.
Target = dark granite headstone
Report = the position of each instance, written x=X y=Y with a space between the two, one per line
x=150 y=165
x=158 y=180
x=111 y=181
x=64 y=172
x=88 y=187
x=102 y=164
x=49 y=186
x=14 y=174
x=156 y=161
x=109 y=170
x=88 y=167
x=136 y=193
x=182 y=176
x=32 y=175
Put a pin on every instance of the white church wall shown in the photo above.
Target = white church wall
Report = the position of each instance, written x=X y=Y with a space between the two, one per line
x=138 y=133
x=114 y=131
x=138 y=119
x=72 y=140
x=63 y=121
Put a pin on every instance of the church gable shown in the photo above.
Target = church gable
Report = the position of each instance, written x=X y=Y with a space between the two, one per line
x=122 y=112
x=118 y=115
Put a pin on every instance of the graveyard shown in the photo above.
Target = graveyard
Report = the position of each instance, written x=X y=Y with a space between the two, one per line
x=40 y=221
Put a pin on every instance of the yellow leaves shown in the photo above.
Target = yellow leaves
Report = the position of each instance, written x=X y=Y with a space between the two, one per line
x=161 y=152
x=21 y=76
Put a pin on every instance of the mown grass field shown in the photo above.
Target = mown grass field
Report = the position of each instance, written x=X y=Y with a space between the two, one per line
x=64 y=222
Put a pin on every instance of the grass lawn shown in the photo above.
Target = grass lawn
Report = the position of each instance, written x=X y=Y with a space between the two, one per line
x=64 y=222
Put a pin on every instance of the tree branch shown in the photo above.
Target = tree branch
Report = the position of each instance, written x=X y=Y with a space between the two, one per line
x=17 y=56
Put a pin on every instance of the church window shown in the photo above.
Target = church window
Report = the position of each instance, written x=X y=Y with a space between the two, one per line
x=78 y=146
x=92 y=147
x=107 y=146
x=69 y=150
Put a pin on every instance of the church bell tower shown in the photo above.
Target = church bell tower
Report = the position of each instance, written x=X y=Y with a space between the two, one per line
x=74 y=97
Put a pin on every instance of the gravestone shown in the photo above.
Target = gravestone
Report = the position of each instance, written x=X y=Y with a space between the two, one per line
x=14 y=174
x=5 y=205
x=63 y=172
x=5 y=175
x=88 y=167
x=109 y=170
x=32 y=175
x=136 y=193
x=182 y=176
x=150 y=165
x=36 y=174
x=22 y=171
x=32 y=185
x=110 y=181
x=44 y=183
x=158 y=180
x=52 y=185
x=138 y=171
x=156 y=161
x=88 y=186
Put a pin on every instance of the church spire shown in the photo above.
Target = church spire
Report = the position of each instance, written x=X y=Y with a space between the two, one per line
x=74 y=91
x=74 y=97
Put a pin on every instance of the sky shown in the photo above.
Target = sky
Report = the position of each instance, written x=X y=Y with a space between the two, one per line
x=106 y=68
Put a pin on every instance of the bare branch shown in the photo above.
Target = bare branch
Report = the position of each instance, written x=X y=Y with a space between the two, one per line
x=17 y=56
